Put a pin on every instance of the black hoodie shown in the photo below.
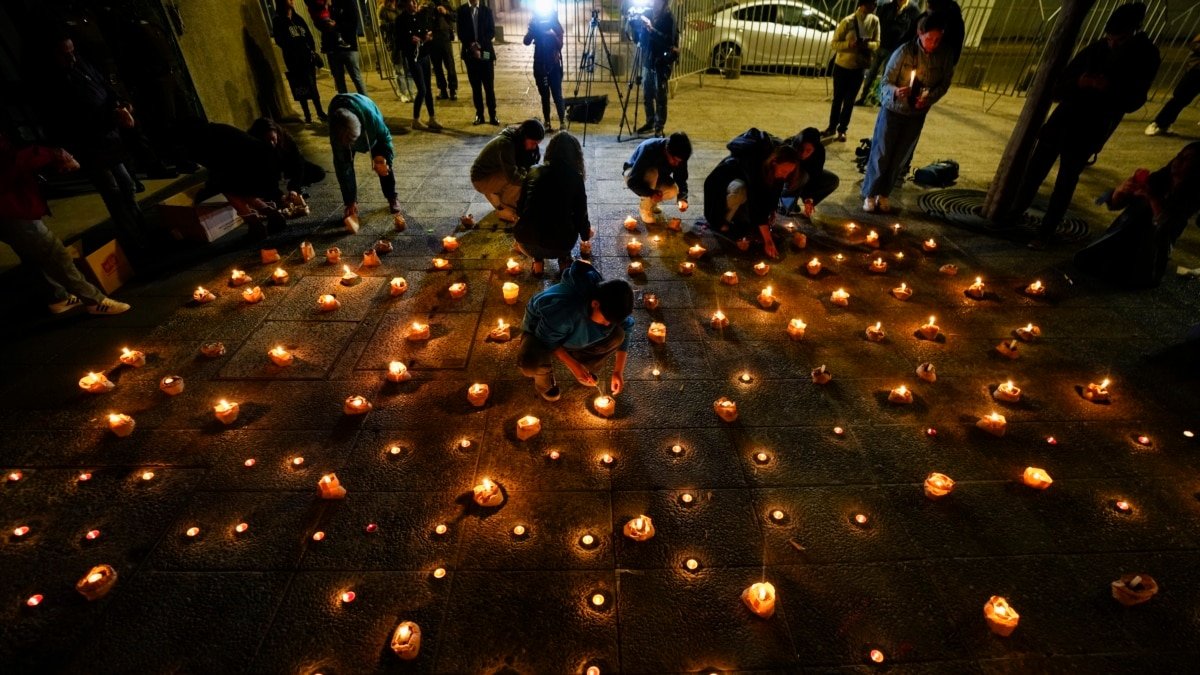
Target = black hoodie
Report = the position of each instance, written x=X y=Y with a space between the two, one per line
x=747 y=155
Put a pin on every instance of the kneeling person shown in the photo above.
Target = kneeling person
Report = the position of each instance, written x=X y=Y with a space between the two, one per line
x=658 y=172
x=741 y=194
x=580 y=320
x=500 y=169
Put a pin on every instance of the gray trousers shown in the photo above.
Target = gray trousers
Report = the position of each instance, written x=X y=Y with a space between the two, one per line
x=41 y=248
x=536 y=361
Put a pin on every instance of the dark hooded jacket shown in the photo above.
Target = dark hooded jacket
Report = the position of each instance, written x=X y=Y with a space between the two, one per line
x=553 y=208
x=652 y=154
x=560 y=316
x=747 y=155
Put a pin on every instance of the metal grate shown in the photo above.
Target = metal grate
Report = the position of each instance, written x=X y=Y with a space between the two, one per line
x=963 y=207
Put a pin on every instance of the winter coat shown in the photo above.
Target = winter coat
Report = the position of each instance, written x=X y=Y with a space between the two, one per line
x=652 y=154
x=295 y=41
x=553 y=208
x=897 y=26
x=20 y=198
x=560 y=316
x=404 y=29
x=237 y=162
x=856 y=57
x=81 y=107
x=933 y=72
x=747 y=155
x=502 y=155
x=376 y=139
x=546 y=36
x=345 y=16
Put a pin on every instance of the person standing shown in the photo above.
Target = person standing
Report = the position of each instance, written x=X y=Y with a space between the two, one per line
x=356 y=125
x=955 y=32
x=498 y=172
x=546 y=34
x=299 y=57
x=338 y=24
x=476 y=30
x=1185 y=92
x=659 y=42
x=387 y=28
x=1105 y=80
x=897 y=25
x=553 y=206
x=411 y=36
x=440 y=51
x=21 y=211
x=658 y=172
x=855 y=40
x=918 y=75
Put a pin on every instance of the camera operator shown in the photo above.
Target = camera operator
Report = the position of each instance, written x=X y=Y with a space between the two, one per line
x=545 y=33
x=655 y=33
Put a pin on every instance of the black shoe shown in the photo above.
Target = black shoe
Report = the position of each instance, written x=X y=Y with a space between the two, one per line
x=841 y=137
x=860 y=102
x=549 y=127
x=442 y=96
x=658 y=133
x=646 y=128
x=275 y=221
x=493 y=121
x=478 y=120
x=394 y=204
x=138 y=186
x=322 y=116
x=828 y=132
x=308 y=119
x=453 y=96
x=553 y=393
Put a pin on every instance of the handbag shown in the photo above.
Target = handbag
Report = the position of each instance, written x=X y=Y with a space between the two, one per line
x=942 y=173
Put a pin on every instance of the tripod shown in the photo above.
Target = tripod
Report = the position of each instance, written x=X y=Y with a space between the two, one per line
x=587 y=67
x=633 y=91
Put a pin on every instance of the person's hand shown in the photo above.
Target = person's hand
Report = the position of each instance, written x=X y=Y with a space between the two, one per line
x=583 y=375
x=646 y=20
x=769 y=247
x=682 y=205
x=66 y=162
x=903 y=92
x=416 y=40
x=351 y=210
x=617 y=383
x=124 y=118
x=381 y=166
x=922 y=103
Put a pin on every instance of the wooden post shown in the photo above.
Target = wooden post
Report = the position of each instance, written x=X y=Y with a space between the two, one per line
x=998 y=205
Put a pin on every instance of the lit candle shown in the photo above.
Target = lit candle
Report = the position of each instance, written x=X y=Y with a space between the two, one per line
x=1098 y=393
x=650 y=301
x=938 y=485
x=356 y=405
x=347 y=596
x=519 y=531
x=761 y=457
x=687 y=268
x=813 y=267
x=397 y=286
x=606 y=459
x=876 y=333
x=398 y=372
x=14 y=476
x=458 y=290
x=512 y=267
x=238 y=277
x=1028 y=332
x=719 y=320
x=202 y=295
x=439 y=573
x=96 y=383
x=795 y=329
x=328 y=302
x=876 y=656
x=349 y=278
x=1036 y=478
x=633 y=247
x=927 y=372
x=280 y=356
x=725 y=409
x=977 y=290
x=297 y=461
x=604 y=405
x=406 y=640
x=449 y=243
x=878 y=266
x=994 y=424
x=929 y=330
x=501 y=333
x=252 y=295
x=97 y=582
x=1001 y=618
x=171 y=385
x=760 y=598
x=1123 y=506
x=21 y=531
x=279 y=276
x=121 y=424
x=902 y=292
x=821 y=375
x=765 y=299
x=675 y=225
x=729 y=278
x=949 y=269
x=351 y=223
x=330 y=487
x=528 y=427
x=1036 y=289
x=1133 y=589
x=477 y=394
x=399 y=222
x=840 y=298
x=657 y=332
x=745 y=377
x=510 y=291
x=226 y=411
x=307 y=252
x=761 y=268
x=1007 y=392
x=132 y=357
x=1008 y=349
x=636 y=268
x=241 y=528
x=696 y=251
x=873 y=239
x=487 y=494
x=631 y=223
x=418 y=332
x=441 y=264
x=34 y=600
x=333 y=255
x=640 y=528
x=900 y=396
x=929 y=245
x=912 y=78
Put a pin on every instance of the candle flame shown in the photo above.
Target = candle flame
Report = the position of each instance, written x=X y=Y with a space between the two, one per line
x=1104 y=384
x=762 y=593
x=931 y=321
x=114 y=418
x=395 y=367
x=978 y=281
x=902 y=390
x=279 y=272
x=1028 y=327
x=995 y=417
x=405 y=633
x=767 y=290
x=94 y=577
x=878 y=325
x=903 y=286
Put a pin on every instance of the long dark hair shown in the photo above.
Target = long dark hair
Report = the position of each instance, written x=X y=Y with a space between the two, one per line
x=564 y=149
x=265 y=125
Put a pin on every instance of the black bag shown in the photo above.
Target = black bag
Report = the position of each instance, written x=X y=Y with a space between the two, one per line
x=942 y=173
x=1133 y=253
x=588 y=109
x=862 y=154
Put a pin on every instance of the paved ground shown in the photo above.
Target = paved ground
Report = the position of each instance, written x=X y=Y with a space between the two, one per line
x=911 y=583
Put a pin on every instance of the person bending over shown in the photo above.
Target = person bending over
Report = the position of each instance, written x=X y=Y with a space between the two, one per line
x=356 y=125
x=658 y=171
x=499 y=171
x=741 y=195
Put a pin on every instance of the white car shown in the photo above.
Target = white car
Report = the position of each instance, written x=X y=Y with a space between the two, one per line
x=763 y=33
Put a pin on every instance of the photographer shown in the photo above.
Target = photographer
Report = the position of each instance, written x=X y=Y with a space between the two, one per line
x=654 y=31
x=546 y=34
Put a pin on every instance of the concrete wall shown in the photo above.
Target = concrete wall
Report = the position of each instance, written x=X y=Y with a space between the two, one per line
x=232 y=60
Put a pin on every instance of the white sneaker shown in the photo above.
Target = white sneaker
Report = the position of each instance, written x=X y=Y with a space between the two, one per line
x=869 y=205
x=108 y=307
x=72 y=302
x=1154 y=130
x=881 y=203
x=433 y=124
x=417 y=125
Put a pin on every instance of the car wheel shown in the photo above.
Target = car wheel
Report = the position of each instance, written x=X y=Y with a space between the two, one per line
x=722 y=52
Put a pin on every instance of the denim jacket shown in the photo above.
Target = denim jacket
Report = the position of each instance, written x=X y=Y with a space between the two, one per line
x=933 y=71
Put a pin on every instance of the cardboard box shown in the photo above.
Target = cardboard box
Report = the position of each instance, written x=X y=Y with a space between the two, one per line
x=107 y=267
x=207 y=221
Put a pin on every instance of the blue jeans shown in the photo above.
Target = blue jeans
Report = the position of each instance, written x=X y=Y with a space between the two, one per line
x=342 y=62
x=892 y=144
x=655 y=82
x=39 y=247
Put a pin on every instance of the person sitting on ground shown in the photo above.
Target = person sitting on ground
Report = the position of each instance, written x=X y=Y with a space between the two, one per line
x=1156 y=208
x=356 y=125
x=554 y=206
x=580 y=320
x=741 y=195
x=21 y=211
x=658 y=171
x=297 y=170
x=241 y=167
x=813 y=182
x=499 y=171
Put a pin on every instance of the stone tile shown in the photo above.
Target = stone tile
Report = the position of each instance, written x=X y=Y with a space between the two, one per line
x=403 y=538
x=301 y=301
x=448 y=347
x=554 y=522
x=430 y=455
x=314 y=346
x=679 y=525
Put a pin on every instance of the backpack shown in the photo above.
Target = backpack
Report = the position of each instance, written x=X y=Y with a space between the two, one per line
x=942 y=173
